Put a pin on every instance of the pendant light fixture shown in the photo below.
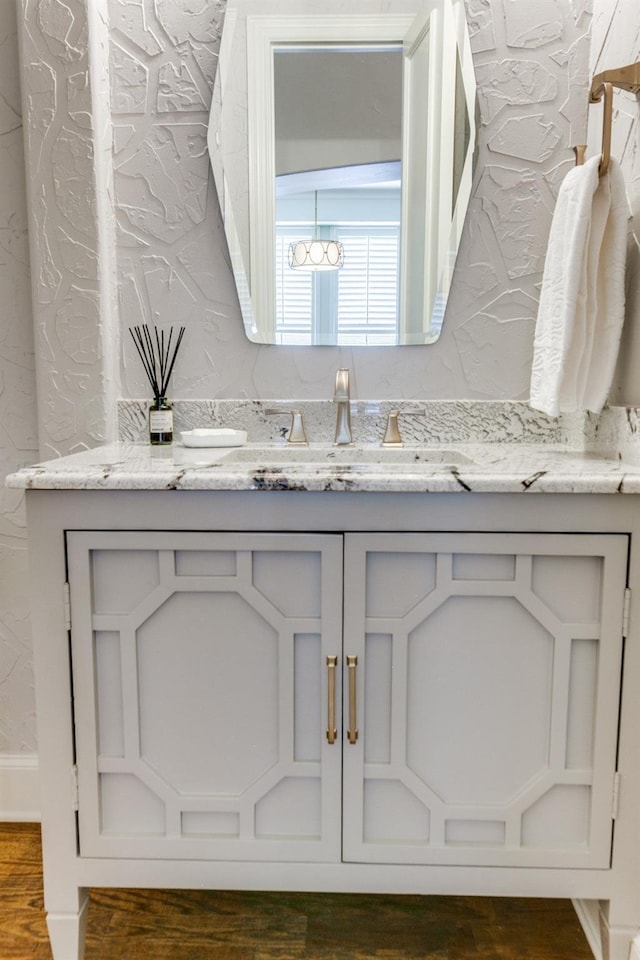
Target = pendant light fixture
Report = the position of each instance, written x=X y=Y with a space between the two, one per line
x=317 y=253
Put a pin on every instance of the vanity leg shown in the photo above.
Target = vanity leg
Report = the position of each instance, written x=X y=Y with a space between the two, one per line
x=618 y=945
x=67 y=930
x=617 y=941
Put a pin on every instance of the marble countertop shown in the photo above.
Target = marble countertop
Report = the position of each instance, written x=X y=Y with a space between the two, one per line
x=446 y=468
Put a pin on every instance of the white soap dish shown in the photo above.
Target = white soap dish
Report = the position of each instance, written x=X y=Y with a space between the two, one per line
x=220 y=437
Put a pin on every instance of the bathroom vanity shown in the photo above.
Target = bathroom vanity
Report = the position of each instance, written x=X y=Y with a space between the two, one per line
x=339 y=670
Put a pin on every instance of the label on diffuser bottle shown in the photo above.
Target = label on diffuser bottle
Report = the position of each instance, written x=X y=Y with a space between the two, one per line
x=161 y=421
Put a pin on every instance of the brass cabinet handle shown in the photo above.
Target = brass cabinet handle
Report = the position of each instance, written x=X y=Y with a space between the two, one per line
x=332 y=732
x=352 y=732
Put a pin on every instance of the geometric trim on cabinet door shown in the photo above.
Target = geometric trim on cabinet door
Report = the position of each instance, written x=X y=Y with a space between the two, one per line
x=200 y=692
x=488 y=689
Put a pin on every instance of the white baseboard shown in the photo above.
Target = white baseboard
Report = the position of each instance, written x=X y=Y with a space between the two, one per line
x=588 y=912
x=19 y=793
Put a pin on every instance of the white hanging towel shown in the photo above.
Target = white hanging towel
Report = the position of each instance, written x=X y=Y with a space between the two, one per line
x=581 y=308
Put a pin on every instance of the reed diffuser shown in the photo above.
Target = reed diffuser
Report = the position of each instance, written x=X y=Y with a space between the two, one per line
x=158 y=355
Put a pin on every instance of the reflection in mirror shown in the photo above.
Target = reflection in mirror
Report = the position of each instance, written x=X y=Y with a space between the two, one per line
x=343 y=141
x=338 y=151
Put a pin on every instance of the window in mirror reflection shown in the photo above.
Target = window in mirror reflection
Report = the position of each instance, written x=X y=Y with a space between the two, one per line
x=358 y=304
x=338 y=152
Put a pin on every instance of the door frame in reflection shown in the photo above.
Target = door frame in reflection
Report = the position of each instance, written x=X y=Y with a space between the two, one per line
x=264 y=35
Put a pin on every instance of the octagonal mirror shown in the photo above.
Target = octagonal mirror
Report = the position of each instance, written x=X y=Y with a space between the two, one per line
x=342 y=147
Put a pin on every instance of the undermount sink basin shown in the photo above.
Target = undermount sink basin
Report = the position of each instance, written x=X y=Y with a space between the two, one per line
x=362 y=458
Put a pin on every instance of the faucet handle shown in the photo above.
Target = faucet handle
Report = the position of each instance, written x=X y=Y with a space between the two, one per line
x=297 y=435
x=392 y=437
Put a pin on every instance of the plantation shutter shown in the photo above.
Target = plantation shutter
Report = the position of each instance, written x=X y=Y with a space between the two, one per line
x=294 y=291
x=368 y=285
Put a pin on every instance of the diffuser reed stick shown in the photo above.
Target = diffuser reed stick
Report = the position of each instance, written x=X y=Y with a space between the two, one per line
x=158 y=356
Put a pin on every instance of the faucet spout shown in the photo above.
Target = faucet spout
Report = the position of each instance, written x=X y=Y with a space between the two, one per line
x=342 y=400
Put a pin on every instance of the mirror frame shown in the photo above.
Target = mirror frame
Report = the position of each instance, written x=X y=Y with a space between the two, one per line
x=429 y=159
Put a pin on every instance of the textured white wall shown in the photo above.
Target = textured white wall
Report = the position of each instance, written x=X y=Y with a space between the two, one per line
x=18 y=431
x=65 y=108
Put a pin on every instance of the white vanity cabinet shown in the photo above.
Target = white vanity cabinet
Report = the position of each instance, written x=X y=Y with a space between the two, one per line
x=205 y=667
x=471 y=669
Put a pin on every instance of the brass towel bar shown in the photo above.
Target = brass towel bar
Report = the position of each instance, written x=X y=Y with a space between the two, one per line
x=626 y=78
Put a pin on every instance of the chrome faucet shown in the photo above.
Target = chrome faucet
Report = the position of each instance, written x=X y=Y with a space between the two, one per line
x=342 y=399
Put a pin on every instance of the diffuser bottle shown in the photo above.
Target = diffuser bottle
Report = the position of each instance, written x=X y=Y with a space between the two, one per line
x=160 y=422
x=158 y=355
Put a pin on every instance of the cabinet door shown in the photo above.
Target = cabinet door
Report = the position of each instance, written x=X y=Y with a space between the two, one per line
x=487 y=689
x=200 y=688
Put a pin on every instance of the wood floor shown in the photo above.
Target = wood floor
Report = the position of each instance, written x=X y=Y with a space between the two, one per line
x=202 y=925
